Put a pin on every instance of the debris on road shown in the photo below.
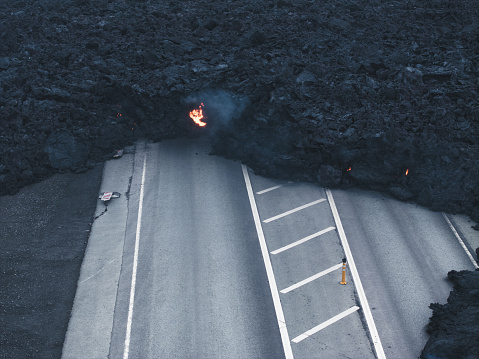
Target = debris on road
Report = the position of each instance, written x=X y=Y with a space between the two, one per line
x=106 y=196
x=118 y=153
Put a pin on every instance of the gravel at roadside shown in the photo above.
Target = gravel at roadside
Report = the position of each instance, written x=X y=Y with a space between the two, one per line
x=44 y=230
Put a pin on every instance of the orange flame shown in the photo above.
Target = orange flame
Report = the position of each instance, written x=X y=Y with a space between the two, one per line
x=197 y=116
x=349 y=169
x=407 y=171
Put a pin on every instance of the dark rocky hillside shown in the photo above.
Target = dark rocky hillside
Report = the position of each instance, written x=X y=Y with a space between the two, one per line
x=373 y=94
x=453 y=327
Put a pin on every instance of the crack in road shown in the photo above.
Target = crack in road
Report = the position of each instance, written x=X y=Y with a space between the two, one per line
x=98 y=272
x=101 y=214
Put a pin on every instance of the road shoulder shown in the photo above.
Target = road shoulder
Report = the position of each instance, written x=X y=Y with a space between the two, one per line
x=91 y=322
x=464 y=226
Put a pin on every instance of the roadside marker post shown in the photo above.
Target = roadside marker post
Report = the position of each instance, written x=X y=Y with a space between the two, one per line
x=343 y=278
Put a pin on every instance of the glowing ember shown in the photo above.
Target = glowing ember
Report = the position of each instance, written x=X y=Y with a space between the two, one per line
x=407 y=171
x=197 y=116
x=349 y=169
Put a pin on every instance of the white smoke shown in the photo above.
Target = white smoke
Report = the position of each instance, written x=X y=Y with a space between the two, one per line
x=220 y=106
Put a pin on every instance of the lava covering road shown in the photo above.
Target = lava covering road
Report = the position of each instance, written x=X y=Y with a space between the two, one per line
x=373 y=94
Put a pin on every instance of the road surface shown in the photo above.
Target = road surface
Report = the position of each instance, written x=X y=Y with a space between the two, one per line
x=200 y=258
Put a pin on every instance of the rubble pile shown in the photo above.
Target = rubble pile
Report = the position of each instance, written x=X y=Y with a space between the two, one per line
x=380 y=87
x=453 y=326
x=374 y=94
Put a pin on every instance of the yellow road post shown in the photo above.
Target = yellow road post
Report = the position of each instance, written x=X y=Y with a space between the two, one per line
x=343 y=278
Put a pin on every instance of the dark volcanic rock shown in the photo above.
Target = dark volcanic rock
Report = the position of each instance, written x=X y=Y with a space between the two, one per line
x=374 y=94
x=65 y=152
x=454 y=326
x=357 y=84
x=329 y=176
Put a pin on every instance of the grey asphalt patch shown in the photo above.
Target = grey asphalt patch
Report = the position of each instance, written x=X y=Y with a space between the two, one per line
x=43 y=234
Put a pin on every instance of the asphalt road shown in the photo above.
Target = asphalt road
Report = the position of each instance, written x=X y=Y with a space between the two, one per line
x=315 y=302
x=403 y=253
x=174 y=268
x=202 y=290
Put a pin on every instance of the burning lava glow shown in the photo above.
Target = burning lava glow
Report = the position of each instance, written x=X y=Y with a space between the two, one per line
x=197 y=115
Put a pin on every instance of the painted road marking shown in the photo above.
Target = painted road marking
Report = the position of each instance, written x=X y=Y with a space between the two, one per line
x=325 y=324
x=135 y=266
x=269 y=269
x=357 y=281
x=460 y=240
x=310 y=279
x=273 y=188
x=294 y=210
x=270 y=189
x=305 y=239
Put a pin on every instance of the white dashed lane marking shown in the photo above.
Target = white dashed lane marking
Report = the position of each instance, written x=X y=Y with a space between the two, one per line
x=294 y=210
x=272 y=281
x=270 y=189
x=310 y=279
x=325 y=324
x=294 y=244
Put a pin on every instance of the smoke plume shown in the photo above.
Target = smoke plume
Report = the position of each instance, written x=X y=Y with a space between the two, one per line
x=219 y=107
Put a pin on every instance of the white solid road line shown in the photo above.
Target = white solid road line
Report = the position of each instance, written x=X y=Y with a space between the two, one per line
x=269 y=269
x=135 y=266
x=310 y=279
x=325 y=324
x=305 y=239
x=378 y=347
x=460 y=241
x=270 y=189
x=294 y=210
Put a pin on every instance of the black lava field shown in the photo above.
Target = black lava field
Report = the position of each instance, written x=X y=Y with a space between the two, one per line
x=381 y=95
